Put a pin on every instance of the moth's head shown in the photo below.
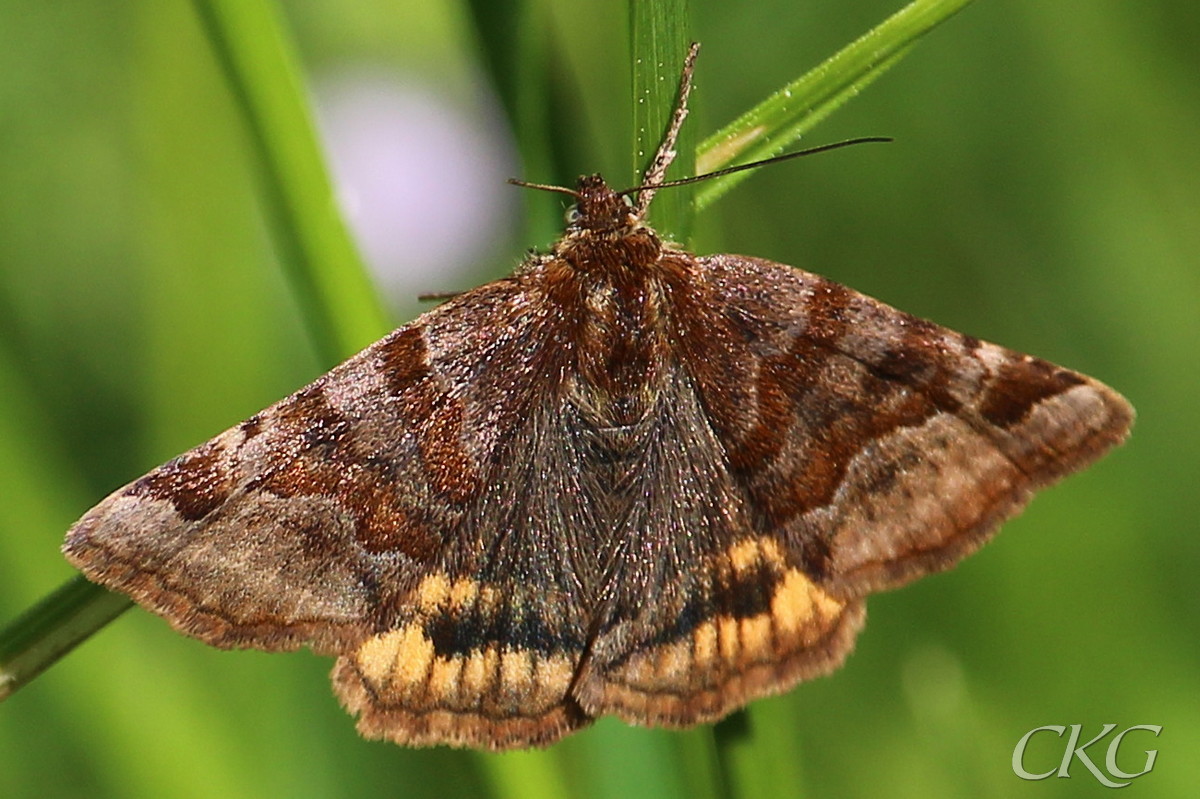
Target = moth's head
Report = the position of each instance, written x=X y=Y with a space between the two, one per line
x=599 y=209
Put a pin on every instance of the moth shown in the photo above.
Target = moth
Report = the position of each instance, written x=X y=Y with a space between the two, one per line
x=624 y=480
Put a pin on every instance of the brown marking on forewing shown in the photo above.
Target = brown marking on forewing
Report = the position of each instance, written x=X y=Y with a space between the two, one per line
x=1020 y=385
x=449 y=467
x=196 y=483
x=404 y=360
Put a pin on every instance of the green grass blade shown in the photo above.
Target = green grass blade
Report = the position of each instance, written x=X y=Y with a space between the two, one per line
x=782 y=118
x=698 y=753
x=340 y=306
x=36 y=492
x=514 y=51
x=659 y=40
x=760 y=752
x=53 y=627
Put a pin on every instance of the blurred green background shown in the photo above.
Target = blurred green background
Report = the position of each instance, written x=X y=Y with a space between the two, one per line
x=1043 y=192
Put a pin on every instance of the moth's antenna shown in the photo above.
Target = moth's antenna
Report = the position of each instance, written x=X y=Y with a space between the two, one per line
x=652 y=179
x=434 y=296
x=544 y=187
x=837 y=145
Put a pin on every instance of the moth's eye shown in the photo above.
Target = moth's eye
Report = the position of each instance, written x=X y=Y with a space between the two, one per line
x=573 y=215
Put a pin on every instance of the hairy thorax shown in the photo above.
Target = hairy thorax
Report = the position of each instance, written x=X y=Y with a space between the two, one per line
x=612 y=292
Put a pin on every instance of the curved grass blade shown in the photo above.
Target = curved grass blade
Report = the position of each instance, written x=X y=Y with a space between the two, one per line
x=659 y=40
x=782 y=118
x=340 y=306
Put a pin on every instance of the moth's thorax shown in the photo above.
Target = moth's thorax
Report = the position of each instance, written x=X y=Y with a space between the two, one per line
x=635 y=248
x=621 y=348
x=612 y=297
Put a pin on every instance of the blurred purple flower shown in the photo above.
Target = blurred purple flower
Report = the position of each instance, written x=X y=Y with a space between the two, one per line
x=420 y=179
